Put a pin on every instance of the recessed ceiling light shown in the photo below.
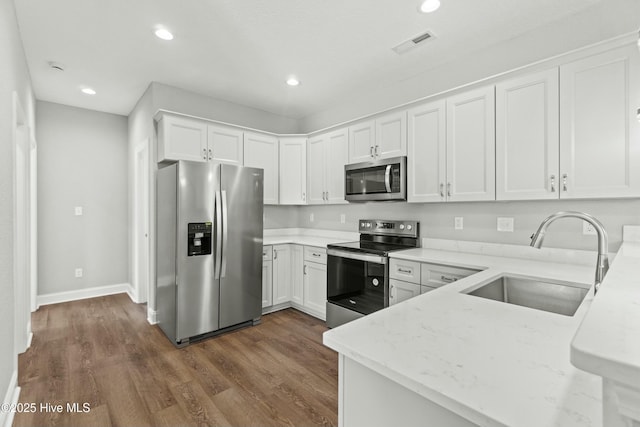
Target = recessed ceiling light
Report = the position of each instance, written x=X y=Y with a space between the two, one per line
x=164 y=34
x=292 y=81
x=429 y=6
x=88 y=91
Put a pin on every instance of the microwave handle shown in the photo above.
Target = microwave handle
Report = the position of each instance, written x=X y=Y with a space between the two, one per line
x=387 y=178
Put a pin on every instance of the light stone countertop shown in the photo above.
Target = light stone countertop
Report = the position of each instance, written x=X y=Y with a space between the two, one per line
x=493 y=363
x=307 y=237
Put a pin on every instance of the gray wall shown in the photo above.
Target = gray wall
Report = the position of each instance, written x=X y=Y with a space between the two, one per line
x=437 y=219
x=14 y=76
x=82 y=158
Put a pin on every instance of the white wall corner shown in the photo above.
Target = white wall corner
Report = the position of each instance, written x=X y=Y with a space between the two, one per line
x=152 y=316
x=10 y=398
x=98 y=291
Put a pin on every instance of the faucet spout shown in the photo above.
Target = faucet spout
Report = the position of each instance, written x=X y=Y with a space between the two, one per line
x=602 y=264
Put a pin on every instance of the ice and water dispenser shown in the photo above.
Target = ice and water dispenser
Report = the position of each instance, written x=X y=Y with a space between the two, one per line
x=199 y=238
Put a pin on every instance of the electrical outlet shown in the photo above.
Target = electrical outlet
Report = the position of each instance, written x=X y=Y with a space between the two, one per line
x=311 y=217
x=343 y=218
x=458 y=223
x=588 y=229
x=78 y=210
x=78 y=272
x=505 y=224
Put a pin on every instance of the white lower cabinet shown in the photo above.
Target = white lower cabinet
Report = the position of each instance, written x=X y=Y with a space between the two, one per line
x=400 y=291
x=282 y=274
x=297 y=265
x=314 y=283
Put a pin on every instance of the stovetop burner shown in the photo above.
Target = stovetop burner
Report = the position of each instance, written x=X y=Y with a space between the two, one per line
x=380 y=237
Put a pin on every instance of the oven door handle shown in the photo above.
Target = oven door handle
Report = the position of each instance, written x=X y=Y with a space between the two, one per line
x=387 y=178
x=357 y=256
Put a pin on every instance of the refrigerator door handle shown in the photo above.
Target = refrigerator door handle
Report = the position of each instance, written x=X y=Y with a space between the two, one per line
x=217 y=262
x=223 y=271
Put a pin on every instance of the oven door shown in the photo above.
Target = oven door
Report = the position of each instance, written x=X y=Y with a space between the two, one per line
x=380 y=180
x=357 y=281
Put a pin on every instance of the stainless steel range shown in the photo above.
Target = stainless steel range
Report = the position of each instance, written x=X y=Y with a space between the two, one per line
x=358 y=272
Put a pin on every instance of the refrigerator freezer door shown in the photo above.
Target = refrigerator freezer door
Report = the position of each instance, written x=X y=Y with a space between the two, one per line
x=242 y=207
x=197 y=291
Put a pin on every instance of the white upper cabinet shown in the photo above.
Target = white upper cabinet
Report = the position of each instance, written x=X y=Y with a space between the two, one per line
x=471 y=146
x=326 y=156
x=182 y=138
x=391 y=135
x=293 y=171
x=381 y=138
x=427 y=153
x=527 y=137
x=225 y=145
x=261 y=151
x=362 y=140
x=599 y=131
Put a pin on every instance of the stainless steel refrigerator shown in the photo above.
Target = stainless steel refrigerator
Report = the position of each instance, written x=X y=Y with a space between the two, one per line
x=209 y=248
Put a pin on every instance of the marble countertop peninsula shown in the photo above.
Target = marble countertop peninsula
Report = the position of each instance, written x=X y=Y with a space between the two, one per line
x=493 y=363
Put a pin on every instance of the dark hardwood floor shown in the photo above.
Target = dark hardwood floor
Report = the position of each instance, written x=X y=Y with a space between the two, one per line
x=102 y=352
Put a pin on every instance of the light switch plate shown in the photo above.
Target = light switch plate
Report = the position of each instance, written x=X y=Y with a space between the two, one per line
x=311 y=217
x=343 y=218
x=505 y=224
x=78 y=272
x=458 y=223
x=78 y=210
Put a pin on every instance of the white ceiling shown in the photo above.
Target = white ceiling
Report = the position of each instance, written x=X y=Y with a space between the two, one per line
x=243 y=50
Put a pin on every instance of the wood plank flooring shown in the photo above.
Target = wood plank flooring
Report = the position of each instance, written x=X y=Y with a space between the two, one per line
x=102 y=352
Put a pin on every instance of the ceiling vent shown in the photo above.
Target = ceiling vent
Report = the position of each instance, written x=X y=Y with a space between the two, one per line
x=413 y=42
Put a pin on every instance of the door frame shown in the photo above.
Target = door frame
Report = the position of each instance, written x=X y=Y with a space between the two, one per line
x=141 y=221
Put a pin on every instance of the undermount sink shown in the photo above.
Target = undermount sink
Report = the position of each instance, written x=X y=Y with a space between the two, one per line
x=556 y=297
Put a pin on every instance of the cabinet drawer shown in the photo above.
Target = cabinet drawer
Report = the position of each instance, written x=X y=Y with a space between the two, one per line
x=267 y=253
x=408 y=271
x=314 y=254
x=435 y=275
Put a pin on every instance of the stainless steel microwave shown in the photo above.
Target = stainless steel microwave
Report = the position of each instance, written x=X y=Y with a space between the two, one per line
x=384 y=179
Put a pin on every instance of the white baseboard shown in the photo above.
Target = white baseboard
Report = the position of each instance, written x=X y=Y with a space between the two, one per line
x=152 y=316
x=10 y=398
x=98 y=291
x=133 y=293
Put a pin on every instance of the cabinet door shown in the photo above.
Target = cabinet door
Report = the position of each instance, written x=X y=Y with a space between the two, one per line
x=281 y=274
x=362 y=138
x=261 y=151
x=471 y=146
x=297 y=276
x=336 y=156
x=427 y=159
x=316 y=170
x=225 y=145
x=599 y=130
x=391 y=136
x=527 y=137
x=181 y=138
x=315 y=287
x=267 y=283
x=293 y=171
x=400 y=291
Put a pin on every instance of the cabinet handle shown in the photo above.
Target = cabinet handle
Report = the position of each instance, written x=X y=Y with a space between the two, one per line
x=564 y=182
x=448 y=279
x=553 y=183
x=376 y=151
x=441 y=189
x=371 y=151
x=204 y=153
x=304 y=269
x=210 y=154
x=448 y=189
x=303 y=197
x=275 y=254
x=403 y=270
x=315 y=254
x=264 y=254
x=327 y=196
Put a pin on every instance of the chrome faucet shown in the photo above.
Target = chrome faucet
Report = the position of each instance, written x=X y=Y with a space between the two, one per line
x=602 y=264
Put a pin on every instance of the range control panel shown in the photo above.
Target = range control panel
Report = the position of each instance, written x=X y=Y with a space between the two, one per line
x=389 y=227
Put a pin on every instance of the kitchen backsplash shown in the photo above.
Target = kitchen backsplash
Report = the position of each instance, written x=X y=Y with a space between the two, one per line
x=479 y=219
